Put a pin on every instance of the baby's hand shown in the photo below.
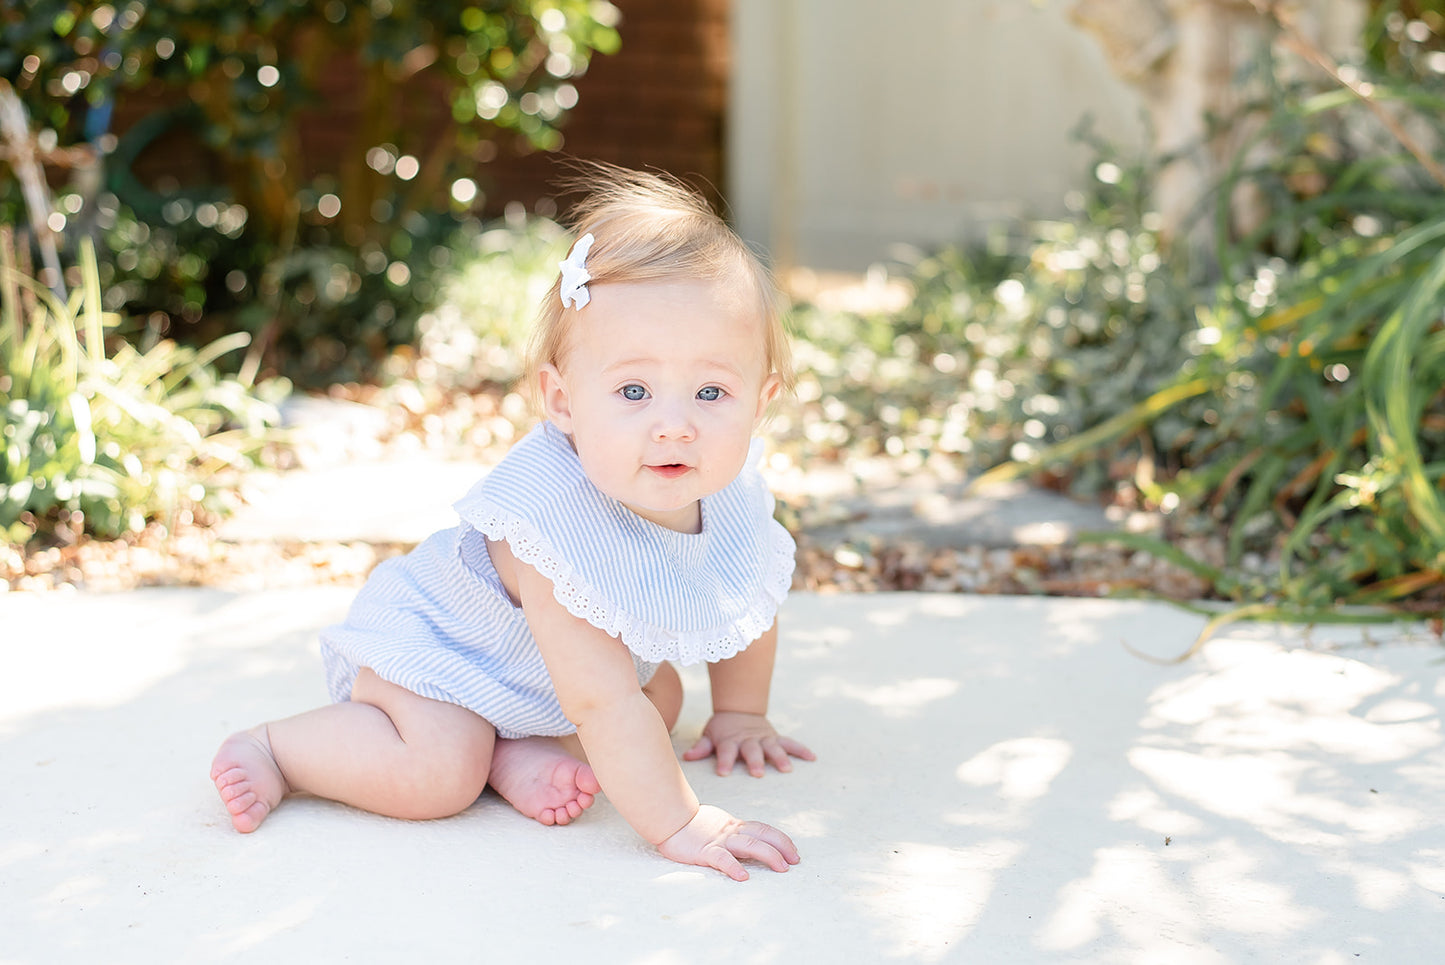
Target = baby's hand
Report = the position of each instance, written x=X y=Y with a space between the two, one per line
x=731 y=735
x=716 y=839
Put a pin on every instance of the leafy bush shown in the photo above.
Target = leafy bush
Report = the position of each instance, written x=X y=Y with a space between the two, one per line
x=328 y=269
x=1304 y=408
x=102 y=441
x=1005 y=349
x=1288 y=394
x=487 y=303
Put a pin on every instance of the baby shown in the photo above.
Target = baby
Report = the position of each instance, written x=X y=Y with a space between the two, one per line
x=527 y=647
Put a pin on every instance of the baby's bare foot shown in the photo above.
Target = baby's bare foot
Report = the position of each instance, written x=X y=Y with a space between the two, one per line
x=540 y=779
x=248 y=779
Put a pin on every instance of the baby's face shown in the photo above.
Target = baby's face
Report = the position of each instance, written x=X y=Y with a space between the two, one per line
x=661 y=388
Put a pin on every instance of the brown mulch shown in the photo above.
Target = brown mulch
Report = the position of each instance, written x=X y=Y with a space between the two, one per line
x=192 y=555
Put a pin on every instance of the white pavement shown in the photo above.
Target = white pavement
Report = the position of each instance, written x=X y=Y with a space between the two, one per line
x=998 y=780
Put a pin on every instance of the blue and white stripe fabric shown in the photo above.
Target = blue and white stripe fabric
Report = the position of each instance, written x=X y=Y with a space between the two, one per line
x=439 y=623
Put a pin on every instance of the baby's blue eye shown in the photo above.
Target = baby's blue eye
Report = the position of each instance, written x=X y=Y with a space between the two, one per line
x=709 y=393
x=634 y=393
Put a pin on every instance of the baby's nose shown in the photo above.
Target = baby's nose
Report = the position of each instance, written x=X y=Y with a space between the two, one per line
x=674 y=423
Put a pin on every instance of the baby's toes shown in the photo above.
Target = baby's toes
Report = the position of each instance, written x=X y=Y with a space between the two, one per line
x=587 y=784
x=238 y=799
x=250 y=819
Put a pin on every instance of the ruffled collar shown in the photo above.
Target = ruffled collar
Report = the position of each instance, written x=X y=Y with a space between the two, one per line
x=667 y=595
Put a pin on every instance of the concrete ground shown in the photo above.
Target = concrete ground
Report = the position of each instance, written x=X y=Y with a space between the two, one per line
x=998 y=780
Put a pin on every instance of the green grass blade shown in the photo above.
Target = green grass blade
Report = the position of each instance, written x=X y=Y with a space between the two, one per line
x=1104 y=432
x=1395 y=400
x=1154 y=546
x=92 y=304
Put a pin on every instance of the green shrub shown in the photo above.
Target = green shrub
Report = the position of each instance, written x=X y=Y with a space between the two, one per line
x=327 y=269
x=107 y=440
x=487 y=302
x=1304 y=408
x=1007 y=348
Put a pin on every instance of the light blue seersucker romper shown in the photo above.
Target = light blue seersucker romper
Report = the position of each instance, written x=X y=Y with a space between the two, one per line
x=438 y=622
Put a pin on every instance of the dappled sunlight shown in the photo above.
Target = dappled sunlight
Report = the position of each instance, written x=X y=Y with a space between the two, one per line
x=1156 y=901
x=883 y=616
x=812 y=823
x=1378 y=889
x=95 y=672
x=926 y=897
x=1427 y=869
x=1231 y=881
x=74 y=889
x=990 y=784
x=102 y=667
x=252 y=935
x=1264 y=735
x=1120 y=880
x=1019 y=770
x=1074 y=624
x=1289 y=799
x=1242 y=677
x=945 y=605
x=812 y=644
x=1400 y=711
x=906 y=698
x=1146 y=809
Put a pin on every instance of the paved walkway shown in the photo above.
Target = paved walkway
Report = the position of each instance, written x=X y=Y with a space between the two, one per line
x=999 y=780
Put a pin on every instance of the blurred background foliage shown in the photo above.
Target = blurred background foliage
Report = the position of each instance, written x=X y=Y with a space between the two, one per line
x=1280 y=391
x=100 y=439
x=328 y=269
x=138 y=384
x=1286 y=388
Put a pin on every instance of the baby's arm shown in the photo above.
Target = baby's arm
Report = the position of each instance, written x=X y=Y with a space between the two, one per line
x=627 y=744
x=739 y=726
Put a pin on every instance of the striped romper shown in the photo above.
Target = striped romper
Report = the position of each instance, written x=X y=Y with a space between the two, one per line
x=439 y=623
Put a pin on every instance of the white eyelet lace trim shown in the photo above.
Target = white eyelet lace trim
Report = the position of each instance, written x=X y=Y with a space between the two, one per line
x=646 y=640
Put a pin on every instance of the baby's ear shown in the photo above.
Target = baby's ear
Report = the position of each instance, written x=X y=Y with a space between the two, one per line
x=772 y=387
x=556 y=403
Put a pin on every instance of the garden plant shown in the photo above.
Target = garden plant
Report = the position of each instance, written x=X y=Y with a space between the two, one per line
x=327 y=265
x=1287 y=387
x=97 y=437
x=1279 y=393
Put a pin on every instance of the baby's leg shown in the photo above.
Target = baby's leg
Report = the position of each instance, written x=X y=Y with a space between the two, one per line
x=388 y=750
x=549 y=779
x=665 y=692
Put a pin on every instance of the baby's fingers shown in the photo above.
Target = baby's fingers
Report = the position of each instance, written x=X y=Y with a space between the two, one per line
x=698 y=751
x=797 y=749
x=727 y=756
x=760 y=842
x=722 y=858
x=777 y=754
x=755 y=754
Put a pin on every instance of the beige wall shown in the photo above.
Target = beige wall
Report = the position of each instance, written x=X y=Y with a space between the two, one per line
x=856 y=124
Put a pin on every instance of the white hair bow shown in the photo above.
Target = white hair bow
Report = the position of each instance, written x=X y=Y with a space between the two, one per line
x=574 y=274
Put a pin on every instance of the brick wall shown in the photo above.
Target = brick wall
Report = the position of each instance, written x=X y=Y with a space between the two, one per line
x=658 y=102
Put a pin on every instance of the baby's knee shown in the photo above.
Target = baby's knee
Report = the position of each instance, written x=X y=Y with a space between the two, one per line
x=456 y=795
x=447 y=784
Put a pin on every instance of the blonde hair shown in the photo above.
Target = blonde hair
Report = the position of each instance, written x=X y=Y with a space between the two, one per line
x=652 y=226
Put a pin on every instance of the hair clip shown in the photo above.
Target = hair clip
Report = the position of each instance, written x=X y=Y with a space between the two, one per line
x=574 y=274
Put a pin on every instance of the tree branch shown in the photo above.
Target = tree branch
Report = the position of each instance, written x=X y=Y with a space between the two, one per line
x=1295 y=40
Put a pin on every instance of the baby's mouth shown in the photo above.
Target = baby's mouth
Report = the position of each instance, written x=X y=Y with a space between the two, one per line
x=670 y=470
